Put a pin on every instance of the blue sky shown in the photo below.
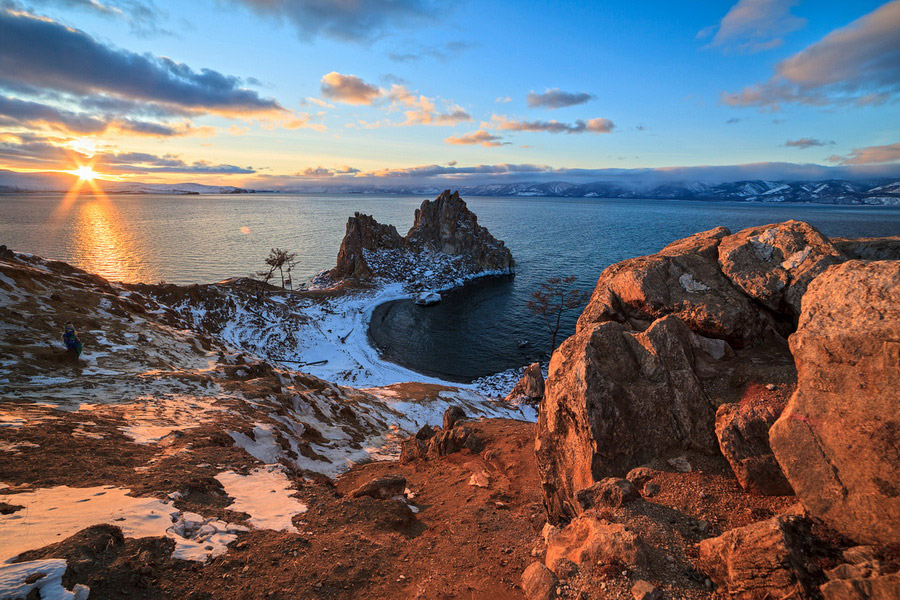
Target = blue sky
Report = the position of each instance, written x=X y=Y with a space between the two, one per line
x=651 y=85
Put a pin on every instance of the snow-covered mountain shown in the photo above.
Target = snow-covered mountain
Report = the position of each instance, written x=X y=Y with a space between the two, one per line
x=13 y=181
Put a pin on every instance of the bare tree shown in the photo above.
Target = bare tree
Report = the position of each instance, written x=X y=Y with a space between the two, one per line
x=552 y=298
x=279 y=259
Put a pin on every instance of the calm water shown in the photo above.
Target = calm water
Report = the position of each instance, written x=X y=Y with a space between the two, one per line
x=475 y=331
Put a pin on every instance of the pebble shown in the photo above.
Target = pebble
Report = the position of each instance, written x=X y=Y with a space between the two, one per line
x=771 y=386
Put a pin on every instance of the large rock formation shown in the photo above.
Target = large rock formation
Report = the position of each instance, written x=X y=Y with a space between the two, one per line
x=445 y=246
x=683 y=279
x=615 y=400
x=775 y=263
x=837 y=438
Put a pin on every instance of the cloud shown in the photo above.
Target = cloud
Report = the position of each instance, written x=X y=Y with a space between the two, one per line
x=556 y=98
x=349 y=89
x=442 y=52
x=422 y=110
x=804 y=143
x=143 y=16
x=321 y=172
x=869 y=155
x=15 y=112
x=856 y=64
x=754 y=25
x=733 y=120
x=482 y=137
x=503 y=100
x=351 y=20
x=142 y=162
x=580 y=126
x=318 y=102
x=42 y=54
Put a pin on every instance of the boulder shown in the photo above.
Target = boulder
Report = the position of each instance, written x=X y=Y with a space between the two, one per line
x=611 y=492
x=882 y=587
x=682 y=279
x=762 y=561
x=453 y=415
x=615 y=400
x=638 y=476
x=530 y=386
x=837 y=439
x=743 y=432
x=775 y=263
x=427 y=442
x=644 y=590
x=538 y=582
x=382 y=488
x=588 y=540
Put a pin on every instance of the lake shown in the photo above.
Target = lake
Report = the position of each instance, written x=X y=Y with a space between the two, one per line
x=475 y=331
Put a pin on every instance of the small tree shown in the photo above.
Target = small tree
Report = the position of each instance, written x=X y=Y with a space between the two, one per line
x=552 y=298
x=279 y=259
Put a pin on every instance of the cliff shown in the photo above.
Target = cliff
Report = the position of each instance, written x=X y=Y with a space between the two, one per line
x=444 y=247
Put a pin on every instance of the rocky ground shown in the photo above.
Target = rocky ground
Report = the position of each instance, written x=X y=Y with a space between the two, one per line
x=721 y=425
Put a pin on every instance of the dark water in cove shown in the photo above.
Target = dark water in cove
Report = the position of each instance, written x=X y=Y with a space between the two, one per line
x=475 y=331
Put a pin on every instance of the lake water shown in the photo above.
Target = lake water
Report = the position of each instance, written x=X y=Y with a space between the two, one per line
x=474 y=331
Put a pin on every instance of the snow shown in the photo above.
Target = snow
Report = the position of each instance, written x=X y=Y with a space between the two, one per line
x=13 y=578
x=264 y=494
x=263 y=446
x=691 y=285
x=53 y=514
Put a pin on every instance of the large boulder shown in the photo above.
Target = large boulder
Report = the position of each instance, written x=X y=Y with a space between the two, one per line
x=682 y=279
x=767 y=560
x=775 y=263
x=743 y=432
x=837 y=439
x=615 y=400
x=588 y=540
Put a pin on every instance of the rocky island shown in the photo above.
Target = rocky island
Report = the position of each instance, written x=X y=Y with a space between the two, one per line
x=722 y=424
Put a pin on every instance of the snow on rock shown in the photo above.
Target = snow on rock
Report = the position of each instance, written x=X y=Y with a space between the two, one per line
x=266 y=495
x=44 y=576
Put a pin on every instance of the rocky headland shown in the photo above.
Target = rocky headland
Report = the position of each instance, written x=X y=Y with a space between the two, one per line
x=723 y=424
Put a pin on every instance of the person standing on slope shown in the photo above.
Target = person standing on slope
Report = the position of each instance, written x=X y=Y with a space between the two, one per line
x=70 y=339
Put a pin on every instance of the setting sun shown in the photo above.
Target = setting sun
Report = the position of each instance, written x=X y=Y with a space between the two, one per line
x=86 y=173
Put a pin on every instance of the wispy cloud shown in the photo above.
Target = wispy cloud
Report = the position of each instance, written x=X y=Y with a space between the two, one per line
x=869 y=155
x=442 y=51
x=346 y=20
x=856 y=64
x=601 y=125
x=143 y=16
x=422 y=110
x=480 y=137
x=804 y=143
x=556 y=98
x=753 y=26
x=325 y=172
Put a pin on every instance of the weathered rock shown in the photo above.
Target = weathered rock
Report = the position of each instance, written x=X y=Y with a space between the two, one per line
x=382 y=488
x=682 y=279
x=440 y=443
x=885 y=587
x=538 y=582
x=530 y=387
x=616 y=400
x=363 y=233
x=446 y=225
x=611 y=492
x=881 y=248
x=453 y=415
x=775 y=263
x=641 y=475
x=416 y=446
x=743 y=432
x=644 y=590
x=763 y=561
x=587 y=540
x=837 y=439
x=565 y=568
x=650 y=489
x=680 y=464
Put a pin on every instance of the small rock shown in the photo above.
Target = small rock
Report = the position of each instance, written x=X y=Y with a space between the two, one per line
x=452 y=415
x=611 y=492
x=651 y=489
x=538 y=582
x=644 y=590
x=641 y=475
x=383 y=488
x=771 y=387
x=680 y=464
x=480 y=479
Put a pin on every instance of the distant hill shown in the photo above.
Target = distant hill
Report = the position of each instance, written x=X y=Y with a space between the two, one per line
x=13 y=182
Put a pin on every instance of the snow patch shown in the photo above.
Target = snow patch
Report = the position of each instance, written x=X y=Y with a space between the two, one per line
x=264 y=494
x=46 y=578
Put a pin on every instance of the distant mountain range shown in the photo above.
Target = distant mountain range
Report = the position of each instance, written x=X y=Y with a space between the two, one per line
x=832 y=191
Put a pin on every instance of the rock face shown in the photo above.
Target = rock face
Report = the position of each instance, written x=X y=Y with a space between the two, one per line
x=444 y=246
x=743 y=432
x=762 y=561
x=530 y=387
x=837 y=439
x=615 y=400
x=775 y=263
x=682 y=279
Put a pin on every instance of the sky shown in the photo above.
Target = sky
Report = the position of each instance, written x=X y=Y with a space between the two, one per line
x=276 y=93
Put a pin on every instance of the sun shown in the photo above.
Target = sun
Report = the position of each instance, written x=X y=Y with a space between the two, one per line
x=85 y=173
